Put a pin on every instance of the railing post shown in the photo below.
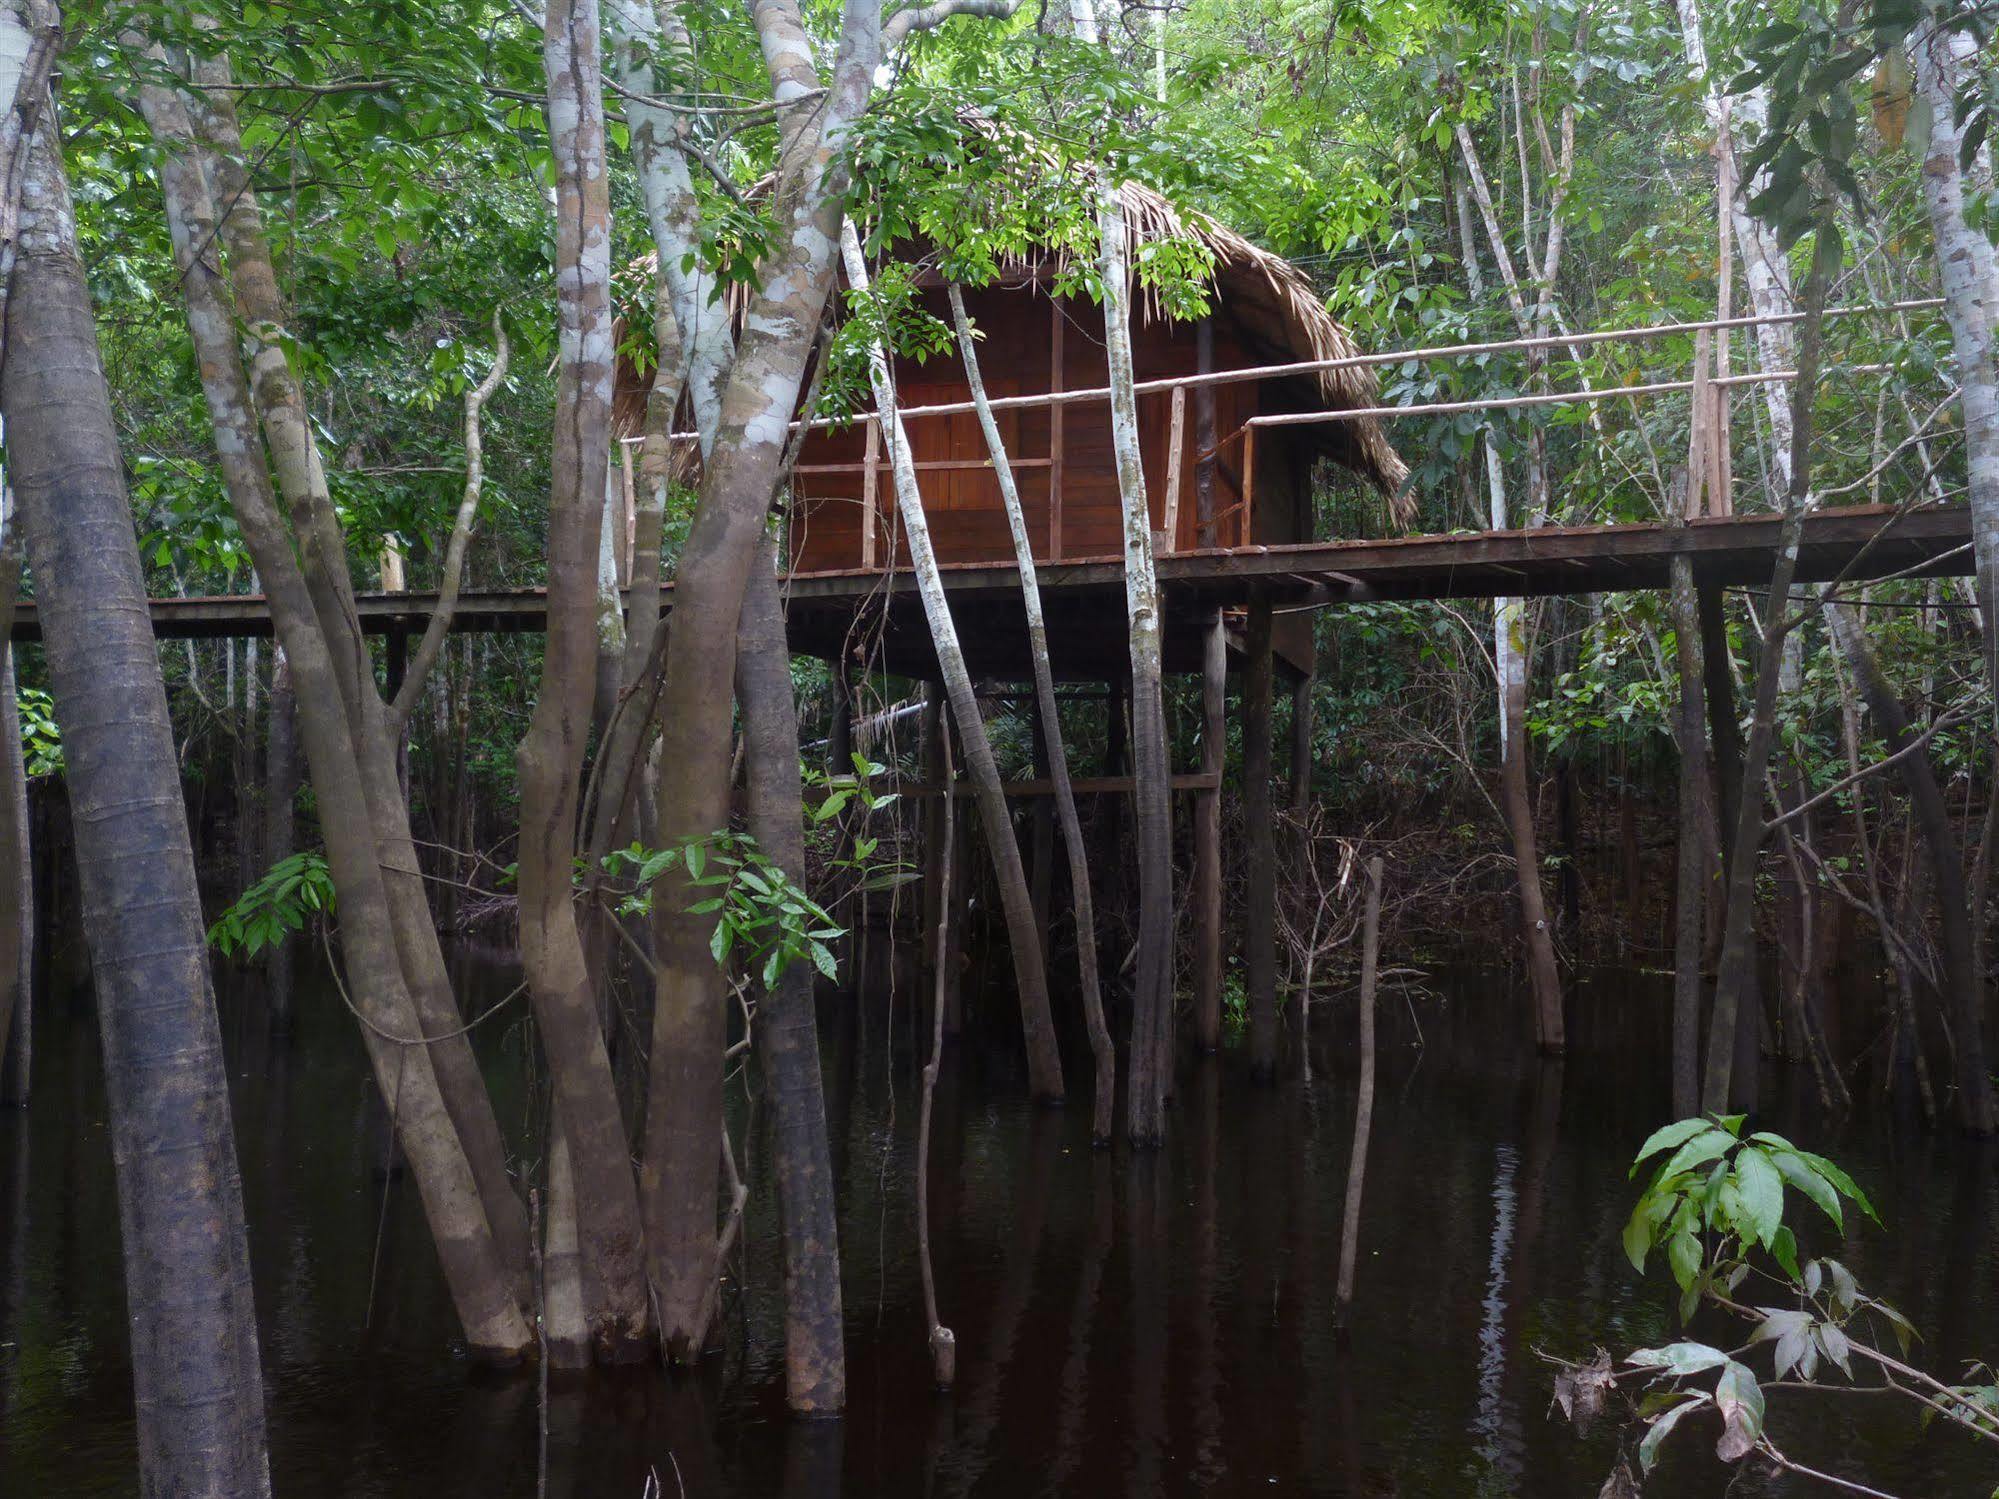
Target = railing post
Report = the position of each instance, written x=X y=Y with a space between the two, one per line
x=1055 y=429
x=1244 y=531
x=868 y=500
x=1176 y=427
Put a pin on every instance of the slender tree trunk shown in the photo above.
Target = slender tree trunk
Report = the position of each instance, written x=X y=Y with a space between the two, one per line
x=1694 y=857
x=550 y=758
x=1044 y=1060
x=1509 y=656
x=187 y=1268
x=1738 y=951
x=1101 y=1048
x=786 y=1035
x=1363 y=1118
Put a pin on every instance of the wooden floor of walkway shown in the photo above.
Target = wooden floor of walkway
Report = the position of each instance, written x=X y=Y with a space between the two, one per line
x=828 y=612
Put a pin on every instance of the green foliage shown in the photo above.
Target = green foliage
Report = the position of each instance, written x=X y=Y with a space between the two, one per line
x=1716 y=1204
x=762 y=918
x=291 y=893
x=41 y=740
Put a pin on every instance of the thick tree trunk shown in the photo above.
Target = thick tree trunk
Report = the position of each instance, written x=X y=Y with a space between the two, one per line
x=17 y=874
x=684 y=1111
x=486 y=1286
x=1044 y=1059
x=786 y=1036
x=1260 y=895
x=550 y=758
x=1969 y=266
x=1102 y=1051
x=187 y=1269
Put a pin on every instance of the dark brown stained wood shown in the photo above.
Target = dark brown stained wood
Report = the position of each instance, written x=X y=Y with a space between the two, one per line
x=1084 y=599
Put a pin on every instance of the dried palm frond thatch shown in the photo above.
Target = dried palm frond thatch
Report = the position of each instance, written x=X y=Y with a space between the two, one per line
x=1271 y=303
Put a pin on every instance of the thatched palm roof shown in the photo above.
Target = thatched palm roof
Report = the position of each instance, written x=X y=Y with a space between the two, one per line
x=1269 y=300
x=1277 y=307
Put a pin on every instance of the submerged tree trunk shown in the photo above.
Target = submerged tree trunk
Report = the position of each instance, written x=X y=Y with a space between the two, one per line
x=187 y=1267
x=691 y=799
x=1152 y=801
x=786 y=1036
x=487 y=1281
x=1101 y=1048
x=1044 y=1060
x=1363 y=1118
x=550 y=758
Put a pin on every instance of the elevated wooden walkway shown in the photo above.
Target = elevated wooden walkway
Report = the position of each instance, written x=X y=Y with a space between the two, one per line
x=832 y=612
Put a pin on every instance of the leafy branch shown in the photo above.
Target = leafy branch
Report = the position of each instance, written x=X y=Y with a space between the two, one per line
x=1715 y=1207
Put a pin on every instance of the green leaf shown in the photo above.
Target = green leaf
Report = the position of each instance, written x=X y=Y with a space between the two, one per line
x=1784 y=1249
x=719 y=942
x=1665 y=1138
x=1638 y=1237
x=1683 y=1254
x=1842 y=1181
x=1794 y=1170
x=1698 y=1151
x=1662 y=1427
x=1761 y=1191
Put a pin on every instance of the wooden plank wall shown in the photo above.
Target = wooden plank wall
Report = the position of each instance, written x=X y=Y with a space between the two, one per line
x=961 y=498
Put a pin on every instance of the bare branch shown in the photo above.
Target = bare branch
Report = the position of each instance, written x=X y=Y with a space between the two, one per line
x=928 y=17
x=461 y=531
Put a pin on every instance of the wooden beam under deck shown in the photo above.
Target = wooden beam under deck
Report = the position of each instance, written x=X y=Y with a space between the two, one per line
x=1084 y=600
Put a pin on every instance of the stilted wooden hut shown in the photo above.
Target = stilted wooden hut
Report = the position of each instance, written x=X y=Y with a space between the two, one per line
x=1213 y=482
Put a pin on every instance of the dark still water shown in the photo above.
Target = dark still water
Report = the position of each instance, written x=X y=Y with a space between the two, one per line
x=1126 y=1325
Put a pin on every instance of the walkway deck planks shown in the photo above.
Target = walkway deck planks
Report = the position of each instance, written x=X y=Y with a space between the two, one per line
x=830 y=612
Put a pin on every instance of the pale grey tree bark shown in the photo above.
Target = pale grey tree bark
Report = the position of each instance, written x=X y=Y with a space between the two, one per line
x=187 y=1268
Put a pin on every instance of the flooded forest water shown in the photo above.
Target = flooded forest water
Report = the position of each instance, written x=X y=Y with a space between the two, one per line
x=1128 y=1325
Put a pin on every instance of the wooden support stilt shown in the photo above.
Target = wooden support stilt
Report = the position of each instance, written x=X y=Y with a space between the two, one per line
x=1301 y=743
x=1725 y=731
x=1260 y=841
x=1208 y=842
